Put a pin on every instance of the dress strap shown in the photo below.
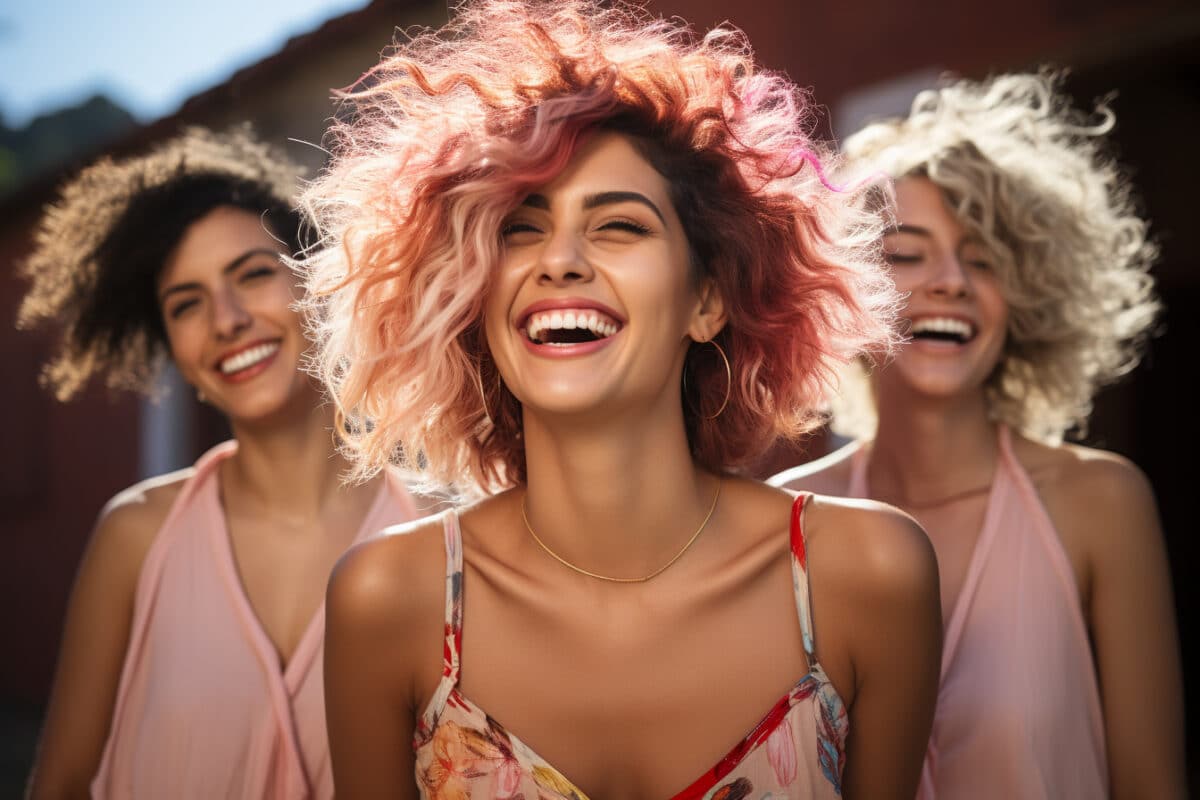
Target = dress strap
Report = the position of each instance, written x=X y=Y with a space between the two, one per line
x=454 y=571
x=800 y=577
x=453 y=642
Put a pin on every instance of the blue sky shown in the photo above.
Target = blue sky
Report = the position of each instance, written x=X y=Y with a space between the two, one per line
x=147 y=56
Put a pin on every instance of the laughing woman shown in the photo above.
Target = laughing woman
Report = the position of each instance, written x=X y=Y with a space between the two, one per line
x=191 y=661
x=586 y=265
x=1025 y=270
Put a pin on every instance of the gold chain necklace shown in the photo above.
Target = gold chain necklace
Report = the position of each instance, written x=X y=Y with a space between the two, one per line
x=582 y=571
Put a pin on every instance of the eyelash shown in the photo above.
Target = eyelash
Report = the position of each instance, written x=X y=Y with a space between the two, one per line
x=257 y=272
x=626 y=225
x=179 y=309
x=518 y=227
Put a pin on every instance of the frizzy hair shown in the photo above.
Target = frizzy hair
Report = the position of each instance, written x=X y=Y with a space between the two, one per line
x=1031 y=176
x=99 y=248
x=454 y=128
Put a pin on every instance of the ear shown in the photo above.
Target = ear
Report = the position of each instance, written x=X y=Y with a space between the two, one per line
x=709 y=316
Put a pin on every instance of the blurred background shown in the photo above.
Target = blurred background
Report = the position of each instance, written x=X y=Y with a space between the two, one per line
x=78 y=82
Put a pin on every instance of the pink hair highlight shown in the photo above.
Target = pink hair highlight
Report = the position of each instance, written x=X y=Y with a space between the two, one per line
x=457 y=128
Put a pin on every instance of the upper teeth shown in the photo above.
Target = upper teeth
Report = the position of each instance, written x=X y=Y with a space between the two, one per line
x=578 y=319
x=248 y=358
x=942 y=325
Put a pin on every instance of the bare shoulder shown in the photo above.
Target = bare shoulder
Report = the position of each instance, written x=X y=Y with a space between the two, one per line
x=398 y=575
x=130 y=520
x=1088 y=488
x=869 y=548
x=1102 y=475
x=829 y=474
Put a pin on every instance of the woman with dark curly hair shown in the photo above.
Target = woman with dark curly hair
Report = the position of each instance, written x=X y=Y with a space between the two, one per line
x=1025 y=265
x=584 y=265
x=191 y=661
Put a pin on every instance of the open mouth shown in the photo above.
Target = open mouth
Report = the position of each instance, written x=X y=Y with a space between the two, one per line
x=564 y=327
x=942 y=329
x=245 y=359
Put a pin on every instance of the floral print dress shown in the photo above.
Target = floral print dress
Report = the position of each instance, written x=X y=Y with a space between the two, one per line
x=797 y=750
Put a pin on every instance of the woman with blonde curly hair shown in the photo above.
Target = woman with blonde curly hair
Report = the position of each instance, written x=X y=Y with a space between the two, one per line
x=582 y=264
x=1025 y=267
x=191 y=661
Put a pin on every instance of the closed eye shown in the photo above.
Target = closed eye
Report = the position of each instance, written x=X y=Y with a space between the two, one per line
x=901 y=258
x=513 y=228
x=257 y=272
x=625 y=225
x=177 y=310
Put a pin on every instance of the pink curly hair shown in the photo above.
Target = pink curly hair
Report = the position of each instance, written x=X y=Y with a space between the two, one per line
x=453 y=129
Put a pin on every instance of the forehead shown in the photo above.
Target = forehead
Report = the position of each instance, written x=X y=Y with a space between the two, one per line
x=214 y=241
x=920 y=202
x=606 y=161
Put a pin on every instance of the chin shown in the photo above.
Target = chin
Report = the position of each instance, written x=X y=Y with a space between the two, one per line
x=265 y=406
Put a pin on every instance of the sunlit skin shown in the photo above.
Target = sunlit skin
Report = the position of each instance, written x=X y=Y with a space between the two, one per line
x=580 y=238
x=935 y=454
x=630 y=690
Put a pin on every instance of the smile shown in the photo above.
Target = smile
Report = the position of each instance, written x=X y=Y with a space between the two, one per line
x=943 y=329
x=245 y=359
x=569 y=326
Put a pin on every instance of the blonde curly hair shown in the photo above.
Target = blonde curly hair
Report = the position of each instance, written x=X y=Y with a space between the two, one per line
x=1030 y=175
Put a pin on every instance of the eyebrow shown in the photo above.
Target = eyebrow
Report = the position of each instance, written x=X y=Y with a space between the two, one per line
x=916 y=230
x=540 y=201
x=230 y=267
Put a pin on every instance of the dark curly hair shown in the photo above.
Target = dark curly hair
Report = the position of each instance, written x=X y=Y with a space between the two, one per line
x=99 y=249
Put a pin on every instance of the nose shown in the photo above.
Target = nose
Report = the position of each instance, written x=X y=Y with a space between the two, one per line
x=948 y=278
x=230 y=317
x=562 y=261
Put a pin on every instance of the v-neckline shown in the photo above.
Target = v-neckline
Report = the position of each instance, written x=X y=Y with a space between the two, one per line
x=707 y=779
x=301 y=657
x=956 y=620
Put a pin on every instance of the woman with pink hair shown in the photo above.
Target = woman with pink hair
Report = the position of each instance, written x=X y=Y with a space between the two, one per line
x=580 y=265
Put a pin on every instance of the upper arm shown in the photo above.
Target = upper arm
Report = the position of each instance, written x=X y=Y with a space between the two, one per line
x=884 y=577
x=383 y=620
x=92 y=653
x=1131 y=617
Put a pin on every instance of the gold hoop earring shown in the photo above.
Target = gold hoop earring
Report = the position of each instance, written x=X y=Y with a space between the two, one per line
x=728 y=379
x=487 y=412
x=482 y=396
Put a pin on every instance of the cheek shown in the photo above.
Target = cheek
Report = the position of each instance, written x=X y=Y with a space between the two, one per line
x=183 y=346
x=905 y=282
x=992 y=298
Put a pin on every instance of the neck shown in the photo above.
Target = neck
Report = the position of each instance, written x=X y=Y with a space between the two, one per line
x=619 y=498
x=288 y=467
x=925 y=451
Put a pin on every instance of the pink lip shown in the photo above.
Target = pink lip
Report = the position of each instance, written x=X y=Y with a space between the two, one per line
x=566 y=302
x=250 y=371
